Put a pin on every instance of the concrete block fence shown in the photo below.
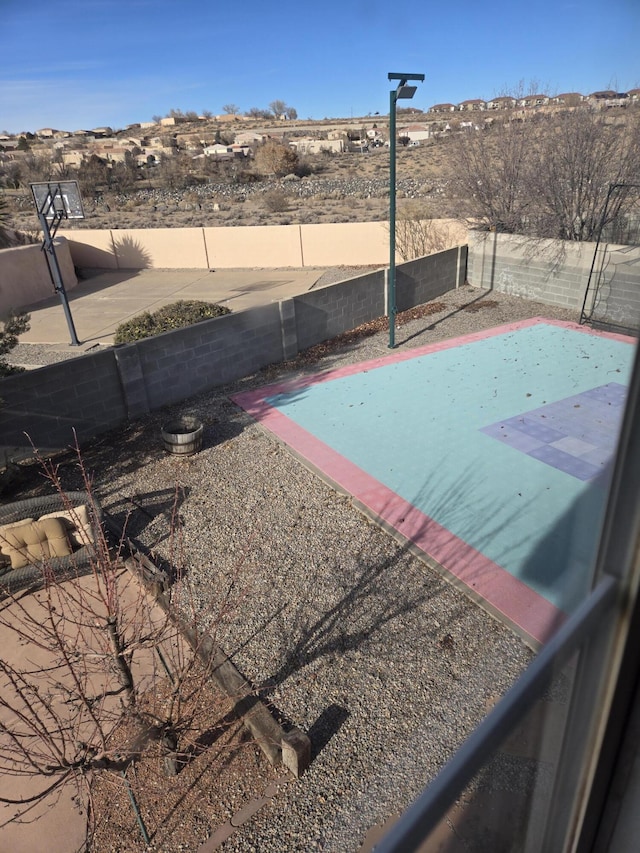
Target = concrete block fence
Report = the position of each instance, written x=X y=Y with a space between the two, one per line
x=99 y=391
x=557 y=273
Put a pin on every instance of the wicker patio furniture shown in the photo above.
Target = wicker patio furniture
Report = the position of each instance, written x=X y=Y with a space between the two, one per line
x=79 y=516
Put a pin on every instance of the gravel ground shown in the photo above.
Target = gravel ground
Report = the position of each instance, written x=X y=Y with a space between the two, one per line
x=350 y=636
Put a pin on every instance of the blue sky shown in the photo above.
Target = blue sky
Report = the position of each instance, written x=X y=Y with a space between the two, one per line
x=74 y=64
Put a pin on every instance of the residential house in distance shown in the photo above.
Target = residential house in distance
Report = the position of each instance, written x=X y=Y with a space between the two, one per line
x=223 y=152
x=241 y=150
x=608 y=98
x=567 y=99
x=9 y=142
x=502 y=102
x=317 y=146
x=157 y=148
x=113 y=153
x=248 y=137
x=229 y=118
x=169 y=121
x=604 y=95
x=442 y=108
x=472 y=104
x=191 y=141
x=415 y=132
x=74 y=157
x=530 y=101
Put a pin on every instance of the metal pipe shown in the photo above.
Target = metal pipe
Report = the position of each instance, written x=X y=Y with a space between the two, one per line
x=136 y=810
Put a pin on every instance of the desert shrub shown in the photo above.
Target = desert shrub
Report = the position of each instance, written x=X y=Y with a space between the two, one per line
x=175 y=316
x=5 y=231
x=244 y=176
x=12 y=327
x=305 y=167
x=275 y=201
x=275 y=158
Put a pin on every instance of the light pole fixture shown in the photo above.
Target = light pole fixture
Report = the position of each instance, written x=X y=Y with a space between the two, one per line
x=405 y=92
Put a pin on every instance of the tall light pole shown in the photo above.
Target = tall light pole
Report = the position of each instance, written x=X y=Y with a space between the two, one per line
x=406 y=92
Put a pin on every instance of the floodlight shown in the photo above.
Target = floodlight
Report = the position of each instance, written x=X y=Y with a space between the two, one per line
x=406 y=92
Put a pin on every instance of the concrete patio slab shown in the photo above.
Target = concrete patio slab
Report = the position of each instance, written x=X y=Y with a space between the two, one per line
x=105 y=299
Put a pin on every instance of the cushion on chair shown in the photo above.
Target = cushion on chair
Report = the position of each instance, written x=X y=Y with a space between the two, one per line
x=31 y=541
x=5 y=560
x=76 y=523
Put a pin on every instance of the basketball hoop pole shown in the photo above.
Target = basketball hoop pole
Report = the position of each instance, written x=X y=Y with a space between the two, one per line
x=50 y=213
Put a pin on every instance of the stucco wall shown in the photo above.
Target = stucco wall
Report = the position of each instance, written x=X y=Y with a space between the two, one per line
x=24 y=275
x=258 y=246
x=94 y=248
x=98 y=391
x=351 y=244
x=162 y=248
x=276 y=246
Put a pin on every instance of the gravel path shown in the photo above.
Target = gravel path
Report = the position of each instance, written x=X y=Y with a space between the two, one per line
x=352 y=638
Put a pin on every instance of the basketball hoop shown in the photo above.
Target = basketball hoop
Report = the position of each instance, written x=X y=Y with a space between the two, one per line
x=58 y=200
x=55 y=201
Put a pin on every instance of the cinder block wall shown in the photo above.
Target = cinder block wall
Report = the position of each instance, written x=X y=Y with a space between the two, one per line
x=98 y=391
x=617 y=300
x=326 y=312
x=557 y=273
x=83 y=393
x=417 y=282
x=179 y=364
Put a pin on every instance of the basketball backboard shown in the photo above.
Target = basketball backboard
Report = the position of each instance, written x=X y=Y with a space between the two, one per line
x=58 y=199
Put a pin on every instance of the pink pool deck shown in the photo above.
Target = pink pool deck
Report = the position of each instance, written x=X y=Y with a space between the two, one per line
x=501 y=592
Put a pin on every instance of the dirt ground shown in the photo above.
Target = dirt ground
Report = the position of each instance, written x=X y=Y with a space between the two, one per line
x=221 y=773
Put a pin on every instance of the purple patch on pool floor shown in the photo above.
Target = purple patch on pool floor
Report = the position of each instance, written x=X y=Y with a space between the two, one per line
x=576 y=435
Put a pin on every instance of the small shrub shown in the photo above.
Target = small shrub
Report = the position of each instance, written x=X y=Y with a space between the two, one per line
x=247 y=177
x=175 y=316
x=12 y=327
x=276 y=201
x=305 y=168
